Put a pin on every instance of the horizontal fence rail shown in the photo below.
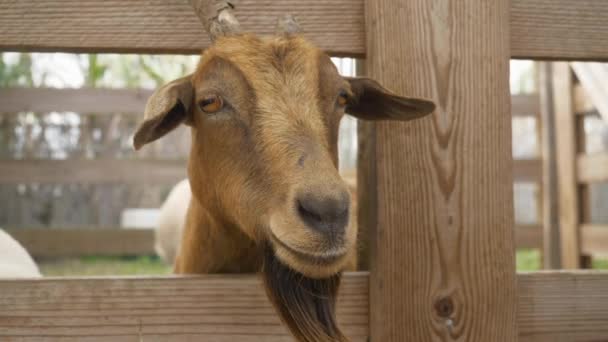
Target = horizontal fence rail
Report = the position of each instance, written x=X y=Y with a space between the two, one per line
x=78 y=242
x=540 y=29
x=82 y=100
x=97 y=171
x=552 y=306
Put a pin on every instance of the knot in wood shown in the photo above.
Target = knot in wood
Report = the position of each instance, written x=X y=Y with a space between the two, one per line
x=444 y=307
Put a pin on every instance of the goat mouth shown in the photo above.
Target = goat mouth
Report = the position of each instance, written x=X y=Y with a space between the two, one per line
x=316 y=259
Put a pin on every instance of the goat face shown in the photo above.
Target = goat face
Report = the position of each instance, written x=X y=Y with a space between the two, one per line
x=264 y=115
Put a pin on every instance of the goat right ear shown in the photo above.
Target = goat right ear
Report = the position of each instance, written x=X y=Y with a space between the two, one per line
x=166 y=109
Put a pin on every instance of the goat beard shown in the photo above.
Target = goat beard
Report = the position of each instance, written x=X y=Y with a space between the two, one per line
x=306 y=305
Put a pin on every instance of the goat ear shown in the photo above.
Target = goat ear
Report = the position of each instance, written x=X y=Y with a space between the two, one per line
x=166 y=109
x=373 y=102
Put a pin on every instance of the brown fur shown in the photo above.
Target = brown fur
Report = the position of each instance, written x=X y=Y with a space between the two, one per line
x=275 y=139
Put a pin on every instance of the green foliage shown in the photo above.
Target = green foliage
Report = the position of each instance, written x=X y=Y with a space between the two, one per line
x=16 y=74
x=99 y=266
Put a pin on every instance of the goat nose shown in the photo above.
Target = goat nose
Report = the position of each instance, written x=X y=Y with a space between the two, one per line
x=327 y=214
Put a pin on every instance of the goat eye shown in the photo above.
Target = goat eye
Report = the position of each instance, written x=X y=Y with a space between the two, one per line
x=211 y=104
x=342 y=98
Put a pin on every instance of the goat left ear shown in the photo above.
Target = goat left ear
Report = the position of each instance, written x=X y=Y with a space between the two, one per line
x=373 y=102
x=168 y=107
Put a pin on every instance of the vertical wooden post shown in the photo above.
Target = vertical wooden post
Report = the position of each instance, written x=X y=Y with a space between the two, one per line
x=550 y=210
x=565 y=129
x=442 y=252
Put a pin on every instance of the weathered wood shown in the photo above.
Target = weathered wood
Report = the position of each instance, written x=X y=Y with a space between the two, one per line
x=541 y=29
x=527 y=170
x=84 y=100
x=96 y=171
x=218 y=308
x=444 y=227
x=525 y=105
x=592 y=168
x=559 y=29
x=550 y=203
x=565 y=131
x=76 y=242
x=552 y=306
x=594 y=239
x=166 y=26
x=528 y=236
x=563 y=306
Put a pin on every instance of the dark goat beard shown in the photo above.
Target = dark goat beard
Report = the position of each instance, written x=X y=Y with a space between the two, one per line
x=306 y=305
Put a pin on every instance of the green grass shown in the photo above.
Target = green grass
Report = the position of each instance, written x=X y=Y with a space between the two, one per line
x=527 y=260
x=102 y=266
x=530 y=260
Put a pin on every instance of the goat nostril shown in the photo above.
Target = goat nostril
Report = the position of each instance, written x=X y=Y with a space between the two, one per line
x=323 y=214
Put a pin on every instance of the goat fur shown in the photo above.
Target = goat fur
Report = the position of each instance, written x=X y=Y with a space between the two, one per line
x=15 y=261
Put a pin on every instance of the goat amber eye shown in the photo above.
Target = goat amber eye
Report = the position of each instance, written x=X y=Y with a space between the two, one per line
x=211 y=104
x=342 y=98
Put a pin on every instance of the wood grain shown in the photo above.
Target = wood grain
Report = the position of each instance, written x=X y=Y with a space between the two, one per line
x=84 y=100
x=166 y=26
x=540 y=29
x=592 y=168
x=566 y=143
x=97 y=171
x=525 y=105
x=563 y=306
x=559 y=29
x=77 y=242
x=442 y=263
x=594 y=239
x=217 y=308
x=550 y=198
x=552 y=306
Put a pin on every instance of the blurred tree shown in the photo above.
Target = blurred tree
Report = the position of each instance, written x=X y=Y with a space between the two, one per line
x=16 y=74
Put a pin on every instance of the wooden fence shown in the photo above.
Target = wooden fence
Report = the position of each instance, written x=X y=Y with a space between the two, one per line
x=443 y=270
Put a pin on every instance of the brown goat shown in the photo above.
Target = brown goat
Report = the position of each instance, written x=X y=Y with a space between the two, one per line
x=264 y=116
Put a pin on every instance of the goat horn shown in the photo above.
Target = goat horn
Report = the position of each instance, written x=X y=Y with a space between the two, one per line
x=287 y=25
x=217 y=17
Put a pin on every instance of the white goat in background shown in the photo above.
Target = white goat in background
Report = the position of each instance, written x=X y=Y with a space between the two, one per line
x=171 y=222
x=15 y=261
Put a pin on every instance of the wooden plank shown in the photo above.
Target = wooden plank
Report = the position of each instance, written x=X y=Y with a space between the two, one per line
x=550 y=204
x=84 y=100
x=528 y=236
x=527 y=170
x=559 y=29
x=592 y=168
x=165 y=26
x=96 y=171
x=525 y=105
x=540 y=29
x=563 y=306
x=217 y=308
x=75 y=242
x=565 y=131
x=444 y=227
x=594 y=239
x=552 y=306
